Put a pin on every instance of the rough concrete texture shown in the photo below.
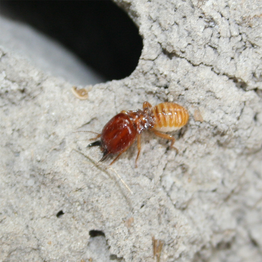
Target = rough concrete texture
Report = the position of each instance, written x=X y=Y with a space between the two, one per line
x=204 y=204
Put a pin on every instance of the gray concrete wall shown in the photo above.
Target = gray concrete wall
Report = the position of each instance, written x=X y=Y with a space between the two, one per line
x=202 y=204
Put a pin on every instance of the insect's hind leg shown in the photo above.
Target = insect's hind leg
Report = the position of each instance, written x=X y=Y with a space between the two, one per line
x=166 y=136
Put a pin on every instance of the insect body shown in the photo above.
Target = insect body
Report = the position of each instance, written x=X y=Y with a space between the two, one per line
x=122 y=130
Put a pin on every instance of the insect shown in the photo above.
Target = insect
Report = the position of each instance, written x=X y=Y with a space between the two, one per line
x=122 y=130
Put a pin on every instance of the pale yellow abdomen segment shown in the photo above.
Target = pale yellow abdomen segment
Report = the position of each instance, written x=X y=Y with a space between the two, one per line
x=169 y=117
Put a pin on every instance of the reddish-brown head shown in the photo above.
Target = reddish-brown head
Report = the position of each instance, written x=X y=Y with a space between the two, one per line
x=117 y=135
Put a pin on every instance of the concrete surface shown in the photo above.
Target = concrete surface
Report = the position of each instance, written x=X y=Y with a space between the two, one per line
x=204 y=204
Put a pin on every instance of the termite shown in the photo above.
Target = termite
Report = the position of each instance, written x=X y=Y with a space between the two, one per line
x=122 y=130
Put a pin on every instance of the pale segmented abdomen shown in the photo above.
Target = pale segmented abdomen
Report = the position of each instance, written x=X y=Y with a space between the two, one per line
x=169 y=117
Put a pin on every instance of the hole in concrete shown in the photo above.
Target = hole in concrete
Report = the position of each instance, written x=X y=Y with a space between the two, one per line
x=114 y=257
x=224 y=245
x=97 y=32
x=254 y=242
x=239 y=83
x=96 y=233
x=258 y=92
x=255 y=117
x=60 y=213
x=99 y=248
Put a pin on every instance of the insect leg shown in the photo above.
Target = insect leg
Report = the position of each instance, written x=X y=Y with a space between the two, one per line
x=117 y=158
x=95 y=138
x=138 y=147
x=166 y=136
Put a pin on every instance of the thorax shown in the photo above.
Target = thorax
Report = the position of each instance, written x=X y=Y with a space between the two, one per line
x=142 y=119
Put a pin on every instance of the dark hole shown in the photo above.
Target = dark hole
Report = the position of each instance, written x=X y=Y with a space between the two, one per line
x=258 y=92
x=60 y=213
x=254 y=242
x=255 y=117
x=239 y=83
x=96 y=233
x=168 y=54
x=224 y=245
x=98 y=32
x=114 y=257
